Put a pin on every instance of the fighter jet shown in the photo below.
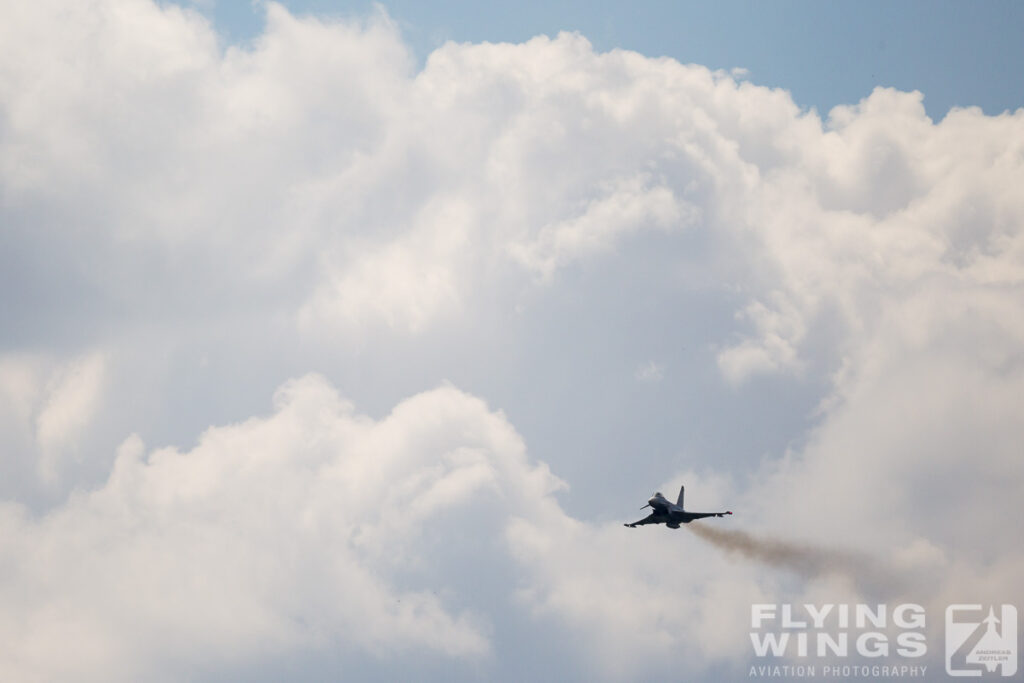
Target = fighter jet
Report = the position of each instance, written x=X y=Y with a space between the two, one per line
x=672 y=515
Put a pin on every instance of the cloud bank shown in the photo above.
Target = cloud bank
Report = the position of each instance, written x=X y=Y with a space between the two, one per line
x=299 y=530
x=189 y=225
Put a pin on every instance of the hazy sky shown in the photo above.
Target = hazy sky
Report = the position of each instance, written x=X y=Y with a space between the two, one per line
x=823 y=53
x=333 y=349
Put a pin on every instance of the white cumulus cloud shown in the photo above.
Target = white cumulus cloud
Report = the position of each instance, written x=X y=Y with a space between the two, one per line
x=188 y=224
x=308 y=528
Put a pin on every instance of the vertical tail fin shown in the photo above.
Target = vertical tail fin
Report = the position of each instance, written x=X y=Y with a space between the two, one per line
x=682 y=490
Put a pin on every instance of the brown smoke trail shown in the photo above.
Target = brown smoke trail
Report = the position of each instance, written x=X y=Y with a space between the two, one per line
x=806 y=560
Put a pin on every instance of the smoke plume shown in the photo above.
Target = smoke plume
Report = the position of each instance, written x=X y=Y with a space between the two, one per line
x=806 y=560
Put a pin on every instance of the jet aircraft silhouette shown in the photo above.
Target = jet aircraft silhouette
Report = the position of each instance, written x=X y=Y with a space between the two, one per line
x=672 y=514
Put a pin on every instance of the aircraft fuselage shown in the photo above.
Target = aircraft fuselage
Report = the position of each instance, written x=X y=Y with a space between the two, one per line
x=672 y=514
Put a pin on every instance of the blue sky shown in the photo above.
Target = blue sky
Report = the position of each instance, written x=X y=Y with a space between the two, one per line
x=824 y=53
